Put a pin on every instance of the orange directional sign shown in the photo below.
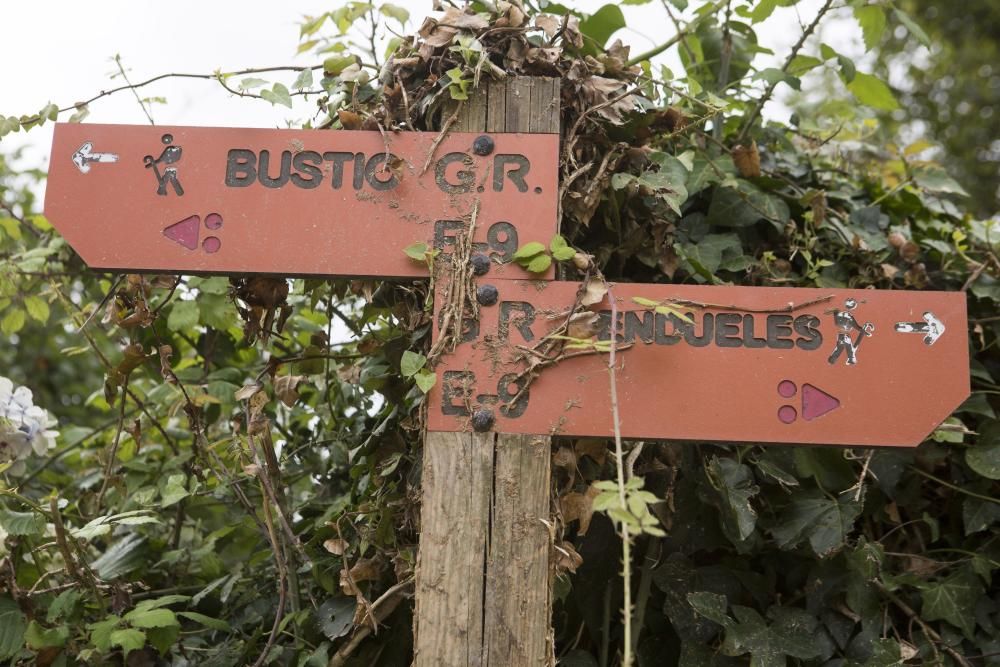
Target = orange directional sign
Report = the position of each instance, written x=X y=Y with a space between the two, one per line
x=751 y=364
x=294 y=202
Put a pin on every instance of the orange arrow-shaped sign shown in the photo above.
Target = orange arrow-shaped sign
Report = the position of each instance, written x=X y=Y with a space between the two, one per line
x=747 y=364
x=295 y=202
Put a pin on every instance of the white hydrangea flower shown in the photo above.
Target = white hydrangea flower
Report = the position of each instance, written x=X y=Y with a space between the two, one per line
x=24 y=427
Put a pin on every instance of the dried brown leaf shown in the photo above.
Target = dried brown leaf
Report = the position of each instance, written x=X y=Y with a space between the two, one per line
x=566 y=557
x=564 y=458
x=594 y=292
x=595 y=448
x=335 y=546
x=285 y=388
x=747 y=160
x=548 y=23
x=583 y=325
x=246 y=391
x=579 y=507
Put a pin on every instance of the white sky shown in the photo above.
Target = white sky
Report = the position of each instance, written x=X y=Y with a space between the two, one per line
x=61 y=51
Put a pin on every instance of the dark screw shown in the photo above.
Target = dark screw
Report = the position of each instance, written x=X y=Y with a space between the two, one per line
x=482 y=420
x=483 y=145
x=487 y=295
x=480 y=264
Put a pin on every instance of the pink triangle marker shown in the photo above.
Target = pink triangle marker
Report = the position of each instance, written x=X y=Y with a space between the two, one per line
x=185 y=232
x=816 y=402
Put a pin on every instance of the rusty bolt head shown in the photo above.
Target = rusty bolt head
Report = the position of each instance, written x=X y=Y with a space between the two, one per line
x=487 y=295
x=482 y=420
x=483 y=145
x=480 y=264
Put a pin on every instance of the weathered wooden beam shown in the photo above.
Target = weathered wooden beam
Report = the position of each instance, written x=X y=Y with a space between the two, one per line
x=483 y=595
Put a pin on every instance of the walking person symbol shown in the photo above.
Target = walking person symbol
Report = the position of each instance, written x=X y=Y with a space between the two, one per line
x=170 y=155
x=847 y=325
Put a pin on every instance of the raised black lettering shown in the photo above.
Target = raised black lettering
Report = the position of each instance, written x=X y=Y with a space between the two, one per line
x=661 y=335
x=442 y=237
x=502 y=238
x=466 y=177
x=749 y=340
x=705 y=338
x=639 y=327
x=807 y=326
x=241 y=170
x=779 y=330
x=265 y=178
x=509 y=388
x=379 y=175
x=470 y=327
x=456 y=390
x=516 y=175
x=338 y=161
x=604 y=326
x=727 y=330
x=359 y=170
x=519 y=313
x=306 y=164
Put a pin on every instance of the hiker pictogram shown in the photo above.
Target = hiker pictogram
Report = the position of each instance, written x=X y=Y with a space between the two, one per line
x=170 y=155
x=847 y=327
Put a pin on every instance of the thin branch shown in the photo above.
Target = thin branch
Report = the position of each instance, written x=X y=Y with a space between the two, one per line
x=218 y=76
x=752 y=117
x=142 y=105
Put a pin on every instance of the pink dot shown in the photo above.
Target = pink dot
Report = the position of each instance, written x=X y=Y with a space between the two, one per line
x=211 y=244
x=213 y=220
x=787 y=388
x=787 y=414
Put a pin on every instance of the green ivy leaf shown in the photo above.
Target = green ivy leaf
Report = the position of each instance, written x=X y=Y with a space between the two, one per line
x=37 y=308
x=100 y=632
x=823 y=521
x=417 y=251
x=872 y=91
x=426 y=379
x=984 y=456
x=734 y=484
x=529 y=250
x=953 y=600
x=151 y=618
x=22 y=523
x=129 y=639
x=871 y=18
x=207 y=621
x=174 y=491
x=12 y=627
x=252 y=82
x=39 y=637
x=395 y=12
x=304 y=80
x=603 y=23
x=278 y=95
x=913 y=27
x=63 y=605
x=411 y=363
x=539 y=264
x=183 y=315
x=13 y=321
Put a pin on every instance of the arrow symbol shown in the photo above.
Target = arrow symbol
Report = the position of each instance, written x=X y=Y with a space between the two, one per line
x=85 y=154
x=932 y=328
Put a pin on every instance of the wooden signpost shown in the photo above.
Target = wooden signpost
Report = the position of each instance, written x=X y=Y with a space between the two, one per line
x=768 y=365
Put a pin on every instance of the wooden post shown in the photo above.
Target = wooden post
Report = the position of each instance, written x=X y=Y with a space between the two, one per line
x=483 y=596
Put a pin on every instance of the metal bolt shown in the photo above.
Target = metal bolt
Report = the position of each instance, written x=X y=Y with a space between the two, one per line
x=482 y=420
x=480 y=264
x=487 y=295
x=483 y=145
